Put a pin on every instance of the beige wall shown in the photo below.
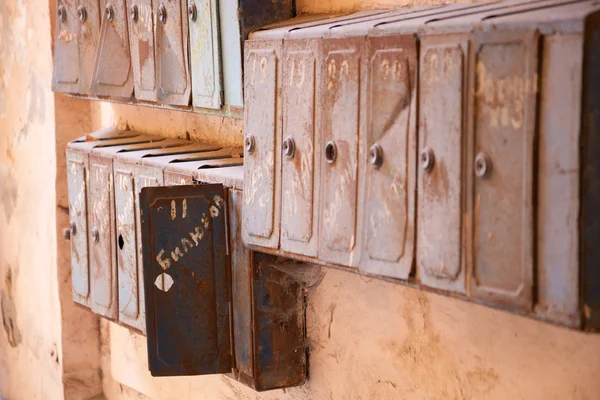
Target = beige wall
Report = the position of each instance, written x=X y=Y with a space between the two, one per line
x=369 y=339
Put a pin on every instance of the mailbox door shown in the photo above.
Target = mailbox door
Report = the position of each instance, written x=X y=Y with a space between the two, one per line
x=89 y=32
x=141 y=43
x=171 y=41
x=66 y=75
x=186 y=266
x=262 y=157
x=389 y=208
x=103 y=274
x=112 y=74
x=205 y=59
x=443 y=64
x=506 y=88
x=300 y=181
x=77 y=179
x=341 y=147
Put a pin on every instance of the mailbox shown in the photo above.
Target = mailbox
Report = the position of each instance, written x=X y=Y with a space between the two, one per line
x=75 y=43
x=112 y=75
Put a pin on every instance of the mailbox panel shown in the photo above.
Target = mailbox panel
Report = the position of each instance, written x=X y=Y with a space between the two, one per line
x=262 y=157
x=205 y=61
x=504 y=131
x=103 y=272
x=186 y=266
x=300 y=182
x=88 y=46
x=341 y=135
x=66 y=74
x=171 y=41
x=112 y=74
x=391 y=139
x=77 y=179
x=141 y=43
x=440 y=186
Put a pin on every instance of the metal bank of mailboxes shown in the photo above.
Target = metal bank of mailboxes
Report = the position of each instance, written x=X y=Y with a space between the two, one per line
x=174 y=53
x=452 y=147
x=155 y=247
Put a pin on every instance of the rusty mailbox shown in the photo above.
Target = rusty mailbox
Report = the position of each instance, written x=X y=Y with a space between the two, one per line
x=75 y=43
x=131 y=174
x=282 y=113
x=567 y=147
x=254 y=304
x=91 y=211
x=112 y=75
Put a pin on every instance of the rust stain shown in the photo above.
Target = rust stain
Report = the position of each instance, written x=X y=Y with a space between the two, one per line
x=9 y=312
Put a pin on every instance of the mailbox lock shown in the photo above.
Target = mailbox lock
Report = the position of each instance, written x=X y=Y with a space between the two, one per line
x=483 y=165
x=95 y=235
x=109 y=11
x=133 y=11
x=330 y=152
x=250 y=144
x=192 y=12
x=81 y=13
x=289 y=147
x=162 y=13
x=427 y=159
x=376 y=155
x=62 y=13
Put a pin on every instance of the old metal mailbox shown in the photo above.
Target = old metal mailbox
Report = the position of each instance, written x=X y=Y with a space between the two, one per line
x=300 y=188
x=112 y=74
x=342 y=131
x=389 y=202
x=505 y=101
x=566 y=282
x=75 y=43
x=141 y=44
x=81 y=207
x=262 y=126
x=171 y=44
x=186 y=266
x=205 y=61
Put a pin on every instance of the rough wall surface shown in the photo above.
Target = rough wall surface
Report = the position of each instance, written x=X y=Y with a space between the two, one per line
x=30 y=340
x=369 y=339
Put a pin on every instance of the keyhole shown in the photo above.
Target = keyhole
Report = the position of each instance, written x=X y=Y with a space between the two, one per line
x=330 y=152
x=121 y=242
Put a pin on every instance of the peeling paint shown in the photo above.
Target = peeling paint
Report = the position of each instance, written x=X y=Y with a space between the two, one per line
x=9 y=313
x=8 y=191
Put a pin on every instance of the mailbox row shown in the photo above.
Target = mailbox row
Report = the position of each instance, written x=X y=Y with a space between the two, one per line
x=176 y=52
x=453 y=147
x=155 y=246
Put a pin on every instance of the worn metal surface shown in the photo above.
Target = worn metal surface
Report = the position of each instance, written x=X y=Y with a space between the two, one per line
x=262 y=121
x=75 y=44
x=101 y=238
x=506 y=89
x=232 y=45
x=186 y=265
x=241 y=293
x=300 y=177
x=440 y=243
x=112 y=74
x=171 y=41
x=390 y=179
x=77 y=179
x=590 y=178
x=141 y=43
x=342 y=146
x=205 y=60
x=558 y=179
x=280 y=358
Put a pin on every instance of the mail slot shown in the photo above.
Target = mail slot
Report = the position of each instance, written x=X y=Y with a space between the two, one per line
x=112 y=74
x=75 y=43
